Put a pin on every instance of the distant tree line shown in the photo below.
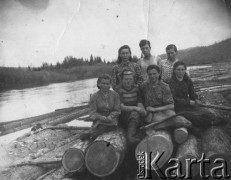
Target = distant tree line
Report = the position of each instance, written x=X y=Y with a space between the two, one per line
x=69 y=62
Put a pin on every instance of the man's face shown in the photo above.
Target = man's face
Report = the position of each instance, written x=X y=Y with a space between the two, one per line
x=128 y=80
x=171 y=53
x=145 y=50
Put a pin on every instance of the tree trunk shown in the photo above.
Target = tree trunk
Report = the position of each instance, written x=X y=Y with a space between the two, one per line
x=106 y=153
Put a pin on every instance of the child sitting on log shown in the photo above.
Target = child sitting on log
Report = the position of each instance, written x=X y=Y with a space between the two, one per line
x=131 y=106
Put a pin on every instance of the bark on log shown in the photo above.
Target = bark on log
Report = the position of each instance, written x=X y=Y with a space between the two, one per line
x=180 y=135
x=73 y=158
x=156 y=142
x=38 y=147
x=106 y=153
x=216 y=144
x=53 y=119
x=190 y=150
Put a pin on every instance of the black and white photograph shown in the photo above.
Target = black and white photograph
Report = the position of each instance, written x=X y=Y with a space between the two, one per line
x=115 y=89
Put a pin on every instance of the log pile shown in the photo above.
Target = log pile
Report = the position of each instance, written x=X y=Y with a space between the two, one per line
x=53 y=118
x=106 y=153
x=45 y=146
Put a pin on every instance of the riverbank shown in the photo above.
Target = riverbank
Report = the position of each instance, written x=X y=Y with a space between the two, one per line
x=20 y=78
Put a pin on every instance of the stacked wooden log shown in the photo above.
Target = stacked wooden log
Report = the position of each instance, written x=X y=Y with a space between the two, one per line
x=54 y=118
x=36 y=152
x=106 y=153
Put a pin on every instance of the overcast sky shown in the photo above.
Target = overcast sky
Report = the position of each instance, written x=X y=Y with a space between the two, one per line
x=36 y=31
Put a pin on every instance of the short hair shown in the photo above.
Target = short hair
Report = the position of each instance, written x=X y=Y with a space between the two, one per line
x=176 y=64
x=153 y=66
x=103 y=76
x=126 y=72
x=119 y=60
x=171 y=46
x=143 y=42
x=179 y=63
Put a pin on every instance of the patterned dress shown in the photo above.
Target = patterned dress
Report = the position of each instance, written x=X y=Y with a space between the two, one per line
x=156 y=96
x=166 y=68
x=119 y=68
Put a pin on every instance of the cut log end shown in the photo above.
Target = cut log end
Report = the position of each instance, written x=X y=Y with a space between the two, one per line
x=180 y=135
x=159 y=142
x=101 y=158
x=73 y=160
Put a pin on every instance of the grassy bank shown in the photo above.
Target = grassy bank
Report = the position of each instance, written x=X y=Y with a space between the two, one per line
x=19 y=78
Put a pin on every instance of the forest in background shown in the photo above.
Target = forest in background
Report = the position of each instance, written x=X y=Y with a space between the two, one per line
x=72 y=68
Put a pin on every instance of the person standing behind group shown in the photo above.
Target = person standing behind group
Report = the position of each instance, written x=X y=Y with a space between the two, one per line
x=124 y=63
x=166 y=65
x=148 y=58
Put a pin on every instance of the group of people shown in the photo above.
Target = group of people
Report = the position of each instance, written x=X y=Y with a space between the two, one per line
x=144 y=92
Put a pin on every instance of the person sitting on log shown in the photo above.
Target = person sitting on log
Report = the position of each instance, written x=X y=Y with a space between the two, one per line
x=104 y=109
x=185 y=98
x=125 y=62
x=131 y=106
x=157 y=96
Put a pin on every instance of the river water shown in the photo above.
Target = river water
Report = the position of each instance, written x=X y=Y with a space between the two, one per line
x=18 y=104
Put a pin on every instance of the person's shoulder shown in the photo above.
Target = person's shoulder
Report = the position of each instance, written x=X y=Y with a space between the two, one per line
x=114 y=93
x=162 y=61
x=144 y=85
x=134 y=63
x=94 y=95
x=115 y=66
x=163 y=84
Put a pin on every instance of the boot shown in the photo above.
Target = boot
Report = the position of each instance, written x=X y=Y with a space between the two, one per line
x=132 y=127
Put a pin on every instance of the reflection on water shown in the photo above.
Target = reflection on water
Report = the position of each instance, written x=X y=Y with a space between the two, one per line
x=17 y=104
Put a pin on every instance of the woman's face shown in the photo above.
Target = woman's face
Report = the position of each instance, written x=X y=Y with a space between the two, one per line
x=153 y=75
x=180 y=71
x=125 y=55
x=105 y=85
